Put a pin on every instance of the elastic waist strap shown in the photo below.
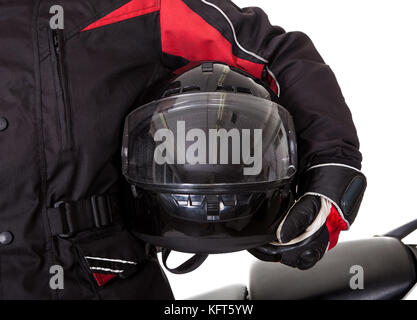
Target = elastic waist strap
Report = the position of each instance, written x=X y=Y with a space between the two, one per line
x=68 y=218
x=188 y=266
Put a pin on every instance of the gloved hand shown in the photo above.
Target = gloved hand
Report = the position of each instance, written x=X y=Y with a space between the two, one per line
x=330 y=198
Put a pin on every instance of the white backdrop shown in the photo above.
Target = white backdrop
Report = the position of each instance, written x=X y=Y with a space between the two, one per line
x=372 y=48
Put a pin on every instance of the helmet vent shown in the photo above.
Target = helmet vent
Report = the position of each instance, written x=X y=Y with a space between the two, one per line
x=191 y=88
x=226 y=88
x=171 y=92
x=175 y=91
x=244 y=90
x=213 y=206
x=235 y=89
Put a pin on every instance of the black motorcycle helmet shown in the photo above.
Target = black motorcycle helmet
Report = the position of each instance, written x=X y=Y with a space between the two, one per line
x=211 y=162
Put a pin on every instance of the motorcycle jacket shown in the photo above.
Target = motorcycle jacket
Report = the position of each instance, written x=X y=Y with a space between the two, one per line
x=65 y=90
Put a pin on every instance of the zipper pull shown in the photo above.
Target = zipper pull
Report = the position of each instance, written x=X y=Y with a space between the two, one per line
x=55 y=40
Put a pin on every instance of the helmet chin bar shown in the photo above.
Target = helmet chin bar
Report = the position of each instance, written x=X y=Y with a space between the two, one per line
x=211 y=208
x=210 y=223
x=202 y=207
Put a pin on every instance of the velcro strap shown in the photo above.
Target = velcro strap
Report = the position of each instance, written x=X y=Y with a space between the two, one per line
x=68 y=218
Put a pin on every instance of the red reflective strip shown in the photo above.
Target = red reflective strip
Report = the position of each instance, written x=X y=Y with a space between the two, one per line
x=335 y=224
x=273 y=84
x=102 y=278
x=184 y=33
x=132 y=9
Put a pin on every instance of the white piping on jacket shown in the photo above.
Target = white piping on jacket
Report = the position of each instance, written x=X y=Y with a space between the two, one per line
x=234 y=32
x=334 y=165
x=275 y=79
x=240 y=46
x=107 y=270
x=111 y=260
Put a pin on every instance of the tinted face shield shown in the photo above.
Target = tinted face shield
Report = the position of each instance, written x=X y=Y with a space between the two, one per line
x=209 y=142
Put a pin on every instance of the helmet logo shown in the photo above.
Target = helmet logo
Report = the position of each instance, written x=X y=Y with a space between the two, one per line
x=221 y=147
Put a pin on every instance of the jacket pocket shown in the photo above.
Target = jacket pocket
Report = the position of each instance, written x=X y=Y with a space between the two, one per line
x=120 y=266
x=63 y=101
x=110 y=255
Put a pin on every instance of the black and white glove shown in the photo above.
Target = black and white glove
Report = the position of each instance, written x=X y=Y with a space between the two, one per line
x=331 y=195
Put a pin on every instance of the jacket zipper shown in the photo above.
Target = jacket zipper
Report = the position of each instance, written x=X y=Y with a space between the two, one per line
x=63 y=101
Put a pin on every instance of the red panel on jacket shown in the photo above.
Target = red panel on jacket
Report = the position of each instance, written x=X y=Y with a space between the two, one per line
x=184 y=33
x=132 y=9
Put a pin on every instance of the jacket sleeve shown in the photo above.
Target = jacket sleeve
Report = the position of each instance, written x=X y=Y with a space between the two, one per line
x=197 y=30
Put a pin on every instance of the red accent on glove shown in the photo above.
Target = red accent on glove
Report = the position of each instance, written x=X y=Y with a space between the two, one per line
x=102 y=278
x=335 y=224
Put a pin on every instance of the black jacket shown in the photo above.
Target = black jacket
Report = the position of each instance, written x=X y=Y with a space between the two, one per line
x=64 y=95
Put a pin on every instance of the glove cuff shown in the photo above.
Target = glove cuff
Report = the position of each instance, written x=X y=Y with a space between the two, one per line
x=342 y=185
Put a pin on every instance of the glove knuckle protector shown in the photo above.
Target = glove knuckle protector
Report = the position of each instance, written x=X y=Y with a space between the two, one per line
x=306 y=254
x=303 y=255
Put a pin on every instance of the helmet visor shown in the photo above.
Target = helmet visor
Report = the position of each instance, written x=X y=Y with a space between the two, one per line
x=204 y=139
